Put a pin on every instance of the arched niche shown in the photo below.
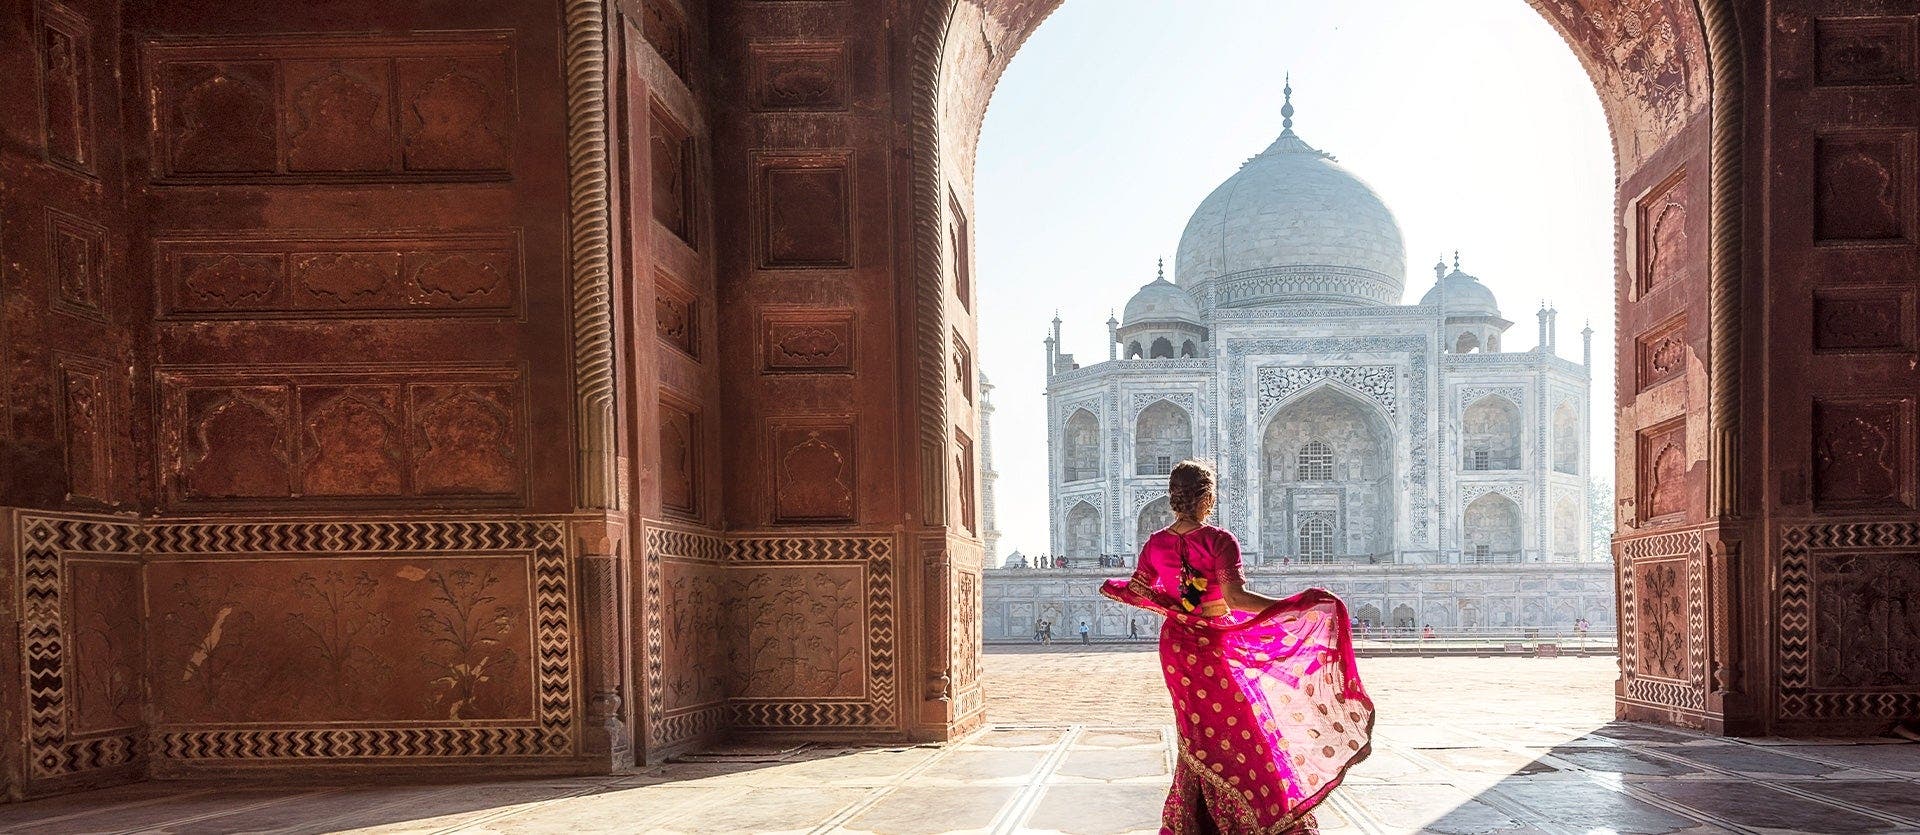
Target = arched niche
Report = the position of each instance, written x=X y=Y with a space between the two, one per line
x=1162 y=349
x=1156 y=515
x=1357 y=496
x=1162 y=437
x=1566 y=440
x=1490 y=434
x=1083 y=530
x=1082 y=459
x=1490 y=530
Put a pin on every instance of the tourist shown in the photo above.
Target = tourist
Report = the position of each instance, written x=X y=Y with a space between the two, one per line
x=1266 y=694
x=1427 y=631
x=1084 y=636
x=1046 y=632
x=1133 y=629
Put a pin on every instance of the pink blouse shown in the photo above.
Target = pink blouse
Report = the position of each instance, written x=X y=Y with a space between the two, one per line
x=1213 y=552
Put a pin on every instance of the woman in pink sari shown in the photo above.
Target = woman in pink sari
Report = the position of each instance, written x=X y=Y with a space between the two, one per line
x=1266 y=695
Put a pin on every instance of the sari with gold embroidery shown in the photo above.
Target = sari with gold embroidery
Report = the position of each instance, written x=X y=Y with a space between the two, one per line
x=1269 y=706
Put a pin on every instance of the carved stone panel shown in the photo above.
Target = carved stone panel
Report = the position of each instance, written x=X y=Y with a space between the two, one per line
x=963 y=468
x=65 y=42
x=1864 y=51
x=105 y=649
x=693 y=629
x=377 y=434
x=680 y=446
x=1863 y=452
x=323 y=639
x=962 y=367
x=805 y=208
x=1864 y=319
x=800 y=75
x=1866 y=634
x=1662 y=475
x=374 y=275
x=672 y=166
x=676 y=314
x=813 y=470
x=799 y=632
x=290 y=107
x=230 y=441
x=1660 y=618
x=354 y=442
x=1664 y=249
x=665 y=29
x=1864 y=186
x=338 y=116
x=87 y=428
x=812 y=342
x=1661 y=354
x=77 y=255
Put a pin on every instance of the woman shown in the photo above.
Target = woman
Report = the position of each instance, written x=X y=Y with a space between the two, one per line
x=1266 y=695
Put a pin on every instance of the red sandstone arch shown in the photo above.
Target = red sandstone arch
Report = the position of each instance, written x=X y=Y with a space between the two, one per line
x=1669 y=75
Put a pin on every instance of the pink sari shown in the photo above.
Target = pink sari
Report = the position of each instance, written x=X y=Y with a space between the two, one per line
x=1270 y=709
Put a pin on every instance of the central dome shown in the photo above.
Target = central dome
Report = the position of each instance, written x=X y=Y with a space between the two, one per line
x=1293 y=227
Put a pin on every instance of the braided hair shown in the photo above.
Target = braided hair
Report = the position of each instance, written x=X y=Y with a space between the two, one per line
x=1189 y=489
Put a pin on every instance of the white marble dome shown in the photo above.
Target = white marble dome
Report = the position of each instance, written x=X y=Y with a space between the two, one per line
x=1293 y=227
x=1459 y=294
x=1161 y=301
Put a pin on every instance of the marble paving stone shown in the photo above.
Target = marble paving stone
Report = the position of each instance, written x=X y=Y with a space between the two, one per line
x=1115 y=765
x=1098 y=810
x=94 y=802
x=1118 y=739
x=1625 y=761
x=975 y=765
x=451 y=807
x=1644 y=733
x=1750 y=760
x=1897 y=797
x=862 y=768
x=1898 y=758
x=1386 y=766
x=147 y=816
x=1442 y=809
x=1753 y=805
x=1585 y=805
x=925 y=810
x=1488 y=761
x=767 y=811
x=1017 y=738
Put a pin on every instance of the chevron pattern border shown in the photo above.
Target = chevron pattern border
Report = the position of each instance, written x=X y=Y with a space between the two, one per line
x=355 y=743
x=1796 y=696
x=809 y=549
x=705 y=720
x=43 y=543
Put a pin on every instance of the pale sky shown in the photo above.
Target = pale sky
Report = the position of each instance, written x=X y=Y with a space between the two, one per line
x=1471 y=118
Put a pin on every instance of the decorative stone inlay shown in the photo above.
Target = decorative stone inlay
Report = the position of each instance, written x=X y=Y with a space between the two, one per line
x=1417 y=349
x=1514 y=394
x=1516 y=492
x=1378 y=382
x=1141 y=400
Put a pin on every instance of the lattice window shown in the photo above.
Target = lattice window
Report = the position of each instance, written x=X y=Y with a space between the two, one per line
x=1163 y=465
x=1480 y=459
x=1314 y=462
x=1316 y=540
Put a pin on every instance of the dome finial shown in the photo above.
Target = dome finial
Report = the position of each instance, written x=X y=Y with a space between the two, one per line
x=1456 y=260
x=1286 y=109
x=1160 y=269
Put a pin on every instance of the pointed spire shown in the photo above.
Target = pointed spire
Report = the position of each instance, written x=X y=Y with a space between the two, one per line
x=1160 y=269
x=1456 y=260
x=1286 y=109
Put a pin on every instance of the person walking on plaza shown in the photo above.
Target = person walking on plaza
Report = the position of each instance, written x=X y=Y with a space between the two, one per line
x=1133 y=629
x=1267 y=697
x=1046 y=631
x=1084 y=637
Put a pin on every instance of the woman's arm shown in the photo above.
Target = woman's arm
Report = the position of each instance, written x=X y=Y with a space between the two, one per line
x=1233 y=583
x=1244 y=599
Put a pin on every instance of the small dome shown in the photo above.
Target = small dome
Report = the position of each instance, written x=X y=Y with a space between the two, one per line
x=1462 y=294
x=1161 y=301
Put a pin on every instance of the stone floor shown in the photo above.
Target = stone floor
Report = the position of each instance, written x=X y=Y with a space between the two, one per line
x=1463 y=745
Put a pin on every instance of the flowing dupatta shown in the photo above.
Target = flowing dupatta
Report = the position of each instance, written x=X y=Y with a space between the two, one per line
x=1270 y=707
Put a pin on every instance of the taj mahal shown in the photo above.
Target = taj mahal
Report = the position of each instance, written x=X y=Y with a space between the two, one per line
x=1394 y=453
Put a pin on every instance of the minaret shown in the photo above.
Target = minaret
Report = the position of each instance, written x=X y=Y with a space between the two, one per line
x=989 y=531
x=1553 y=329
x=1113 y=337
x=1050 y=356
x=1053 y=352
x=1545 y=345
x=1586 y=348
